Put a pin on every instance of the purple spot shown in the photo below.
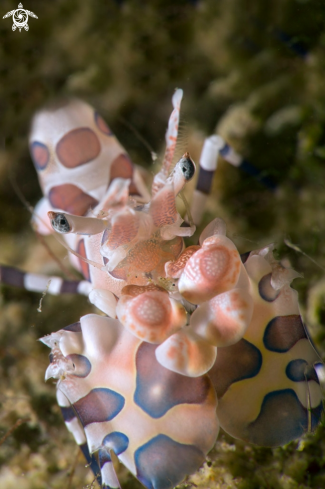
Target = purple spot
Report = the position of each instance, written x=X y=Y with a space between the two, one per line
x=162 y=463
x=283 y=332
x=282 y=419
x=75 y=327
x=81 y=364
x=116 y=441
x=40 y=155
x=174 y=388
x=68 y=413
x=99 y=405
x=234 y=363
x=299 y=371
x=267 y=292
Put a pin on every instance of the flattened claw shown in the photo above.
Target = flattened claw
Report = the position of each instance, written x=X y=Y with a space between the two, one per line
x=187 y=354
x=151 y=316
x=212 y=270
x=224 y=319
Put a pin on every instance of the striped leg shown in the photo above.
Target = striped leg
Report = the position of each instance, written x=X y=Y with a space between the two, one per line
x=213 y=146
x=109 y=477
x=39 y=283
x=75 y=427
x=208 y=166
x=232 y=157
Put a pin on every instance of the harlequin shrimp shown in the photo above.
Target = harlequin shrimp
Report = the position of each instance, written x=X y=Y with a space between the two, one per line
x=194 y=337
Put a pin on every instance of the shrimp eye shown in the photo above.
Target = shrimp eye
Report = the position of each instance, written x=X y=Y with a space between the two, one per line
x=187 y=167
x=60 y=223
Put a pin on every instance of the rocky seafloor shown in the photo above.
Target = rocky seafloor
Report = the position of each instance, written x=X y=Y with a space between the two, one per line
x=252 y=71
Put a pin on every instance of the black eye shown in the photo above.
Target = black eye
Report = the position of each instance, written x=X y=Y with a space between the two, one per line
x=187 y=167
x=60 y=223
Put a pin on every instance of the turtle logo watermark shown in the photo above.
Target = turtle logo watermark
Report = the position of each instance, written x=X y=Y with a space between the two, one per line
x=20 y=18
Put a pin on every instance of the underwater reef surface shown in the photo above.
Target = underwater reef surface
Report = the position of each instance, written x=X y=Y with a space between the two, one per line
x=251 y=71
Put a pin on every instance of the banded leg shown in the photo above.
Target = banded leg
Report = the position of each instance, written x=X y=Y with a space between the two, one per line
x=232 y=157
x=212 y=148
x=108 y=474
x=208 y=166
x=75 y=427
x=36 y=282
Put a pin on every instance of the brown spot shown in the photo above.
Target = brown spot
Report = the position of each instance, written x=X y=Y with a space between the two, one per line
x=175 y=388
x=78 y=147
x=84 y=265
x=283 y=332
x=98 y=406
x=121 y=167
x=234 y=363
x=133 y=189
x=71 y=198
x=267 y=292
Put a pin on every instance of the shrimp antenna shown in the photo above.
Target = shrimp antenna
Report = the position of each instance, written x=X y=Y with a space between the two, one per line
x=67 y=247
x=145 y=143
x=18 y=192
x=299 y=250
x=30 y=208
